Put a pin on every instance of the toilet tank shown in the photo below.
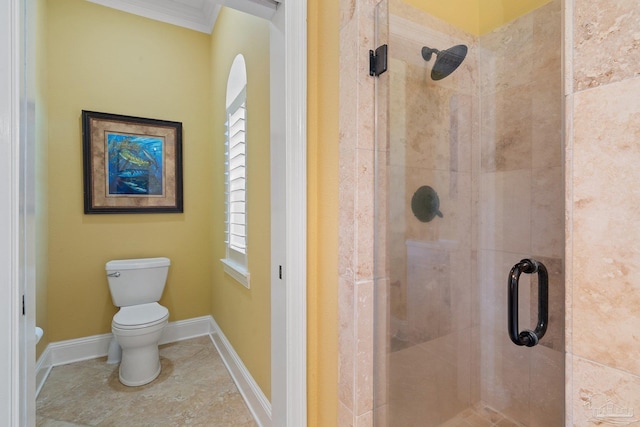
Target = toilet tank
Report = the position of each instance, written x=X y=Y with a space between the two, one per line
x=137 y=281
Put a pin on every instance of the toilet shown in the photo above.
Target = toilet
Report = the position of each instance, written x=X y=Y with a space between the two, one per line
x=136 y=286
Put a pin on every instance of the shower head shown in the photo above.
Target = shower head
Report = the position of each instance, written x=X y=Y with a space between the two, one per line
x=447 y=62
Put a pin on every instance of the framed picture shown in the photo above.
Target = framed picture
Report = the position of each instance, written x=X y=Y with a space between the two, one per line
x=131 y=164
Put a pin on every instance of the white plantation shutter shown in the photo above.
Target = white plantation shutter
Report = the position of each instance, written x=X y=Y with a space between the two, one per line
x=236 y=177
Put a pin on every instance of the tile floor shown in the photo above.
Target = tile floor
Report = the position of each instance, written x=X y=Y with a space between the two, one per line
x=194 y=389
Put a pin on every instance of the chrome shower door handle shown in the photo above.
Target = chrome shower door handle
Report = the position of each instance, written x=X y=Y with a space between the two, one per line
x=528 y=338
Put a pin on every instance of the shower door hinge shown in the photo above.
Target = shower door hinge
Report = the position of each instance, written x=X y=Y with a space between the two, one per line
x=378 y=61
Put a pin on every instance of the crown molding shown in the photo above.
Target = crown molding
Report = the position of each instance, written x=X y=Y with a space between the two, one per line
x=198 y=15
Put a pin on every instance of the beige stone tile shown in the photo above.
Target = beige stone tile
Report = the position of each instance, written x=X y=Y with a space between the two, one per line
x=424 y=388
x=605 y=308
x=427 y=146
x=345 y=415
x=546 y=118
x=507 y=423
x=364 y=214
x=506 y=56
x=568 y=389
x=182 y=405
x=568 y=226
x=365 y=420
x=47 y=422
x=474 y=420
x=568 y=43
x=475 y=366
x=606 y=42
x=205 y=368
x=606 y=254
x=193 y=388
x=80 y=395
x=605 y=158
x=364 y=315
x=429 y=293
x=347 y=12
x=547 y=387
x=505 y=375
x=487 y=413
x=601 y=395
x=346 y=343
x=507 y=130
x=346 y=215
x=493 y=273
x=554 y=337
x=547 y=41
x=547 y=212
x=381 y=216
x=505 y=211
x=382 y=342
x=463 y=289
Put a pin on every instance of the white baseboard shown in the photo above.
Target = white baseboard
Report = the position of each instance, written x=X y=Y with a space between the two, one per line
x=69 y=351
x=43 y=367
x=257 y=402
x=186 y=329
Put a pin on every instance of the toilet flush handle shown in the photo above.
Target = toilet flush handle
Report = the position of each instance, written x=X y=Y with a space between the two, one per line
x=116 y=274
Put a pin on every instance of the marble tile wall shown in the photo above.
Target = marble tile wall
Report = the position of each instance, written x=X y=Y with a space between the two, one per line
x=603 y=210
x=356 y=217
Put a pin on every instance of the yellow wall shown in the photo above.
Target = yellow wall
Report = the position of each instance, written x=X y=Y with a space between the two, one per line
x=322 y=262
x=244 y=314
x=495 y=13
x=477 y=17
x=104 y=60
x=42 y=318
x=460 y=13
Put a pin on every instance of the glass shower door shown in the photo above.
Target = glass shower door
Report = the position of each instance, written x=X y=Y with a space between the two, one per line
x=469 y=183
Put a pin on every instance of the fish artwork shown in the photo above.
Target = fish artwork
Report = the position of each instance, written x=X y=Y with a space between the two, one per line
x=135 y=164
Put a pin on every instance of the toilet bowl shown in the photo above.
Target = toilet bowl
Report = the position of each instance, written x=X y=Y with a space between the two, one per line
x=137 y=330
x=136 y=286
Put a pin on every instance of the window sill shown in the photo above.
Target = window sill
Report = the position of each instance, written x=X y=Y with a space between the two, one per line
x=237 y=271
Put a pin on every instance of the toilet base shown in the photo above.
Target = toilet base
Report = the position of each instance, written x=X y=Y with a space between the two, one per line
x=139 y=366
x=140 y=362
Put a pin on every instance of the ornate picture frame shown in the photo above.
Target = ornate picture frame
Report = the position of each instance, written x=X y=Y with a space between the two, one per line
x=131 y=164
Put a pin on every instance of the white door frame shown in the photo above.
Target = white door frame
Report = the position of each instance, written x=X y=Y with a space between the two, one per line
x=288 y=71
x=17 y=171
x=289 y=402
x=9 y=161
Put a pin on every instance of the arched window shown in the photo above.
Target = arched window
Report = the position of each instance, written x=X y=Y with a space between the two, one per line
x=236 y=172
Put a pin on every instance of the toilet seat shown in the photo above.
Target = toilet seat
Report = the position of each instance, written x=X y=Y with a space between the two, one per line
x=140 y=316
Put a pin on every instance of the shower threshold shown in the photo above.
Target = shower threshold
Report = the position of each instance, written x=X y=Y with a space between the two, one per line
x=481 y=415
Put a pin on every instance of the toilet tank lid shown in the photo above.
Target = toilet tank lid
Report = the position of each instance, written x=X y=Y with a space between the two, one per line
x=130 y=264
